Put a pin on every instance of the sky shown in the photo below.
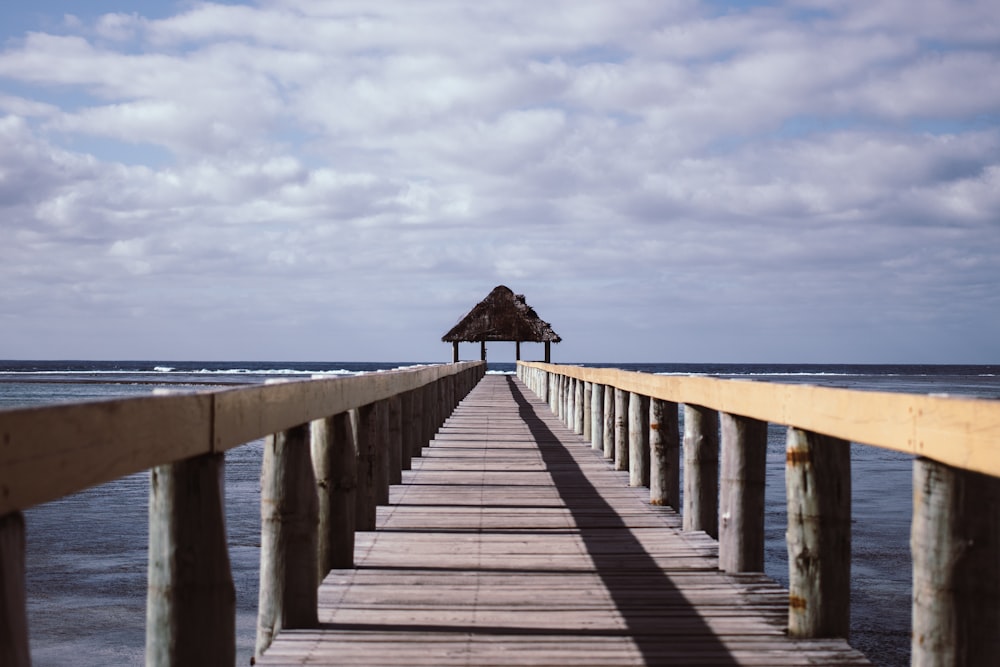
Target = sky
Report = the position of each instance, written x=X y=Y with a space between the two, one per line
x=665 y=181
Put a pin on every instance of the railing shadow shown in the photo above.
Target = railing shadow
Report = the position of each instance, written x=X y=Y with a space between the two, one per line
x=642 y=592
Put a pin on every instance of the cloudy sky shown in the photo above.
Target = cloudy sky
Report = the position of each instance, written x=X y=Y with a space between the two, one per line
x=799 y=181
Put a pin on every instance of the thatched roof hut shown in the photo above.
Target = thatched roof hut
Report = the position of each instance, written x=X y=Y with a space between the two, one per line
x=502 y=316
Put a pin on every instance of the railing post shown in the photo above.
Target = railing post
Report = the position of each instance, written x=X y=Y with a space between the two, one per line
x=665 y=453
x=335 y=464
x=191 y=600
x=382 y=452
x=14 y=649
x=588 y=408
x=578 y=408
x=406 y=432
x=366 y=434
x=415 y=427
x=638 y=440
x=569 y=405
x=741 y=504
x=621 y=429
x=597 y=416
x=289 y=509
x=818 y=486
x=609 y=422
x=955 y=540
x=394 y=439
x=701 y=469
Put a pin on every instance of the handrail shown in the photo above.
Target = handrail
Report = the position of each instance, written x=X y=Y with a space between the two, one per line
x=51 y=451
x=955 y=536
x=333 y=447
x=960 y=432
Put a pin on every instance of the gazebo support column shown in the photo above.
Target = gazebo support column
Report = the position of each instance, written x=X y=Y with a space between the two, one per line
x=454 y=348
x=482 y=350
x=548 y=352
x=517 y=350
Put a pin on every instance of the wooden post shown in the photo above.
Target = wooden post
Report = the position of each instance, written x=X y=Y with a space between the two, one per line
x=621 y=429
x=289 y=509
x=394 y=440
x=609 y=422
x=382 y=455
x=701 y=470
x=366 y=434
x=482 y=350
x=517 y=350
x=454 y=351
x=818 y=484
x=741 y=504
x=588 y=407
x=335 y=464
x=548 y=352
x=14 y=649
x=406 y=431
x=638 y=440
x=665 y=454
x=955 y=540
x=597 y=415
x=569 y=411
x=191 y=600
x=578 y=409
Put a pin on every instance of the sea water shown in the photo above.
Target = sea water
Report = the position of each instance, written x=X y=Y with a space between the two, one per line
x=86 y=572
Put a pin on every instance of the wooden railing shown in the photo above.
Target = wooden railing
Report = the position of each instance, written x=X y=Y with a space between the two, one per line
x=955 y=534
x=333 y=447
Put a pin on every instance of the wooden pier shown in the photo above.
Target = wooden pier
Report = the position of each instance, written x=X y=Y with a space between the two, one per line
x=436 y=515
x=512 y=542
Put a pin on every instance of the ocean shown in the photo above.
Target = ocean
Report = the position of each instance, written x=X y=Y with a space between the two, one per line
x=87 y=552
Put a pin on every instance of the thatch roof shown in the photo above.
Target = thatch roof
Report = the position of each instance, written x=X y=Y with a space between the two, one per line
x=502 y=316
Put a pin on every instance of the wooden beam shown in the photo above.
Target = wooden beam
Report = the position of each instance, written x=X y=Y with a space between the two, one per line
x=818 y=488
x=191 y=601
x=701 y=469
x=289 y=509
x=14 y=649
x=665 y=451
x=741 y=495
x=960 y=432
x=955 y=541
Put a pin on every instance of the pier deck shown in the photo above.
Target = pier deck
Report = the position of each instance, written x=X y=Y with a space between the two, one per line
x=512 y=542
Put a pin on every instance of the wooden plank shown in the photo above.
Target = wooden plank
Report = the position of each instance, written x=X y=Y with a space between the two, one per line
x=513 y=542
x=52 y=451
x=961 y=432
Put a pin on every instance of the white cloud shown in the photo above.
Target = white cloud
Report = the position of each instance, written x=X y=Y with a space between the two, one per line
x=658 y=168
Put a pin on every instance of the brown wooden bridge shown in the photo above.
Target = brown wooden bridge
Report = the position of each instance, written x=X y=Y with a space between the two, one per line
x=512 y=542
x=437 y=516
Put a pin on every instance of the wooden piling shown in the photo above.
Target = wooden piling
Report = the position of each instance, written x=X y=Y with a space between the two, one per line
x=955 y=540
x=335 y=465
x=818 y=487
x=741 y=496
x=578 y=407
x=701 y=469
x=665 y=452
x=597 y=416
x=609 y=422
x=621 y=429
x=289 y=542
x=14 y=649
x=407 y=435
x=394 y=440
x=588 y=395
x=638 y=439
x=366 y=434
x=191 y=599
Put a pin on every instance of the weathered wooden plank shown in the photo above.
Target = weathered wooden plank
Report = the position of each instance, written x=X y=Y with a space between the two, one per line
x=961 y=432
x=191 y=602
x=519 y=544
x=13 y=603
